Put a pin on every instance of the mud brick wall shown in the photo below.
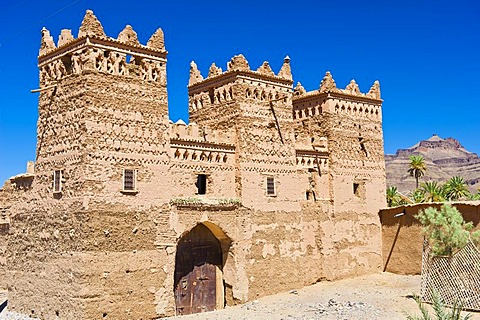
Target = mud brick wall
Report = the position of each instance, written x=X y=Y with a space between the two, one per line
x=94 y=250
x=406 y=252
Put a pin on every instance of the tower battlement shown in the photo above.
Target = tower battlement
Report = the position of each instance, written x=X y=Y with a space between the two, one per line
x=92 y=28
x=93 y=50
x=192 y=132
x=239 y=65
x=327 y=85
x=348 y=101
x=219 y=96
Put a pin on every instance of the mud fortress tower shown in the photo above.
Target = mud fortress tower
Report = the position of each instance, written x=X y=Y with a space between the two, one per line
x=127 y=215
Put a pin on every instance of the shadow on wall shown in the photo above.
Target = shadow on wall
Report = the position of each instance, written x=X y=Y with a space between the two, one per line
x=3 y=305
x=402 y=237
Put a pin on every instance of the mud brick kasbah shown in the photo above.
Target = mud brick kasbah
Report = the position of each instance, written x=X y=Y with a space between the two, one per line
x=127 y=215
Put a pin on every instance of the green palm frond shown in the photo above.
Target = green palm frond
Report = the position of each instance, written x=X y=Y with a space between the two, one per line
x=394 y=198
x=456 y=188
x=432 y=192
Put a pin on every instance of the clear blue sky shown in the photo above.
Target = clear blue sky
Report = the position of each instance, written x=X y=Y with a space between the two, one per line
x=426 y=55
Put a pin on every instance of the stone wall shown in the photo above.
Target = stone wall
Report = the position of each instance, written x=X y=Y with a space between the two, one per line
x=406 y=251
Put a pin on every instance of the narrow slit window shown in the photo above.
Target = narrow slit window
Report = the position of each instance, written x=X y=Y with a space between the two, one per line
x=201 y=184
x=270 y=186
x=129 y=179
x=57 y=181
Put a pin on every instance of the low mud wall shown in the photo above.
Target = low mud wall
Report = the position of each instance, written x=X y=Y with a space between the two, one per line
x=402 y=238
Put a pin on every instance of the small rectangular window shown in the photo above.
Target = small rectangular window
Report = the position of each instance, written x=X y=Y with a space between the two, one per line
x=356 y=189
x=57 y=181
x=201 y=184
x=129 y=179
x=359 y=189
x=270 y=186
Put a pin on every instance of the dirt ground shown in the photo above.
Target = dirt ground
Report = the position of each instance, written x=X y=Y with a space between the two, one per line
x=377 y=296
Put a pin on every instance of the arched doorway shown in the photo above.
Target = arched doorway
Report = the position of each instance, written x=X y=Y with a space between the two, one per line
x=199 y=261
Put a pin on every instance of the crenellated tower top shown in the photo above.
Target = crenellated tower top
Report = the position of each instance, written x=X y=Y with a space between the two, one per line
x=239 y=65
x=94 y=50
x=340 y=99
x=328 y=85
x=224 y=92
x=92 y=28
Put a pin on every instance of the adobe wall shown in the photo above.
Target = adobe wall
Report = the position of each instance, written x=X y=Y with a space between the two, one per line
x=351 y=245
x=4 y=233
x=124 y=269
x=86 y=258
x=406 y=256
x=3 y=251
x=44 y=271
x=266 y=250
x=277 y=251
x=83 y=263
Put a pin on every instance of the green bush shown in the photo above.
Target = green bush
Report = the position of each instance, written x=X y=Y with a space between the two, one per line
x=230 y=201
x=185 y=201
x=446 y=230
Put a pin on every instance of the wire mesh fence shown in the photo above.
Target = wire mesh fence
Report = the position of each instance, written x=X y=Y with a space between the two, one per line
x=455 y=278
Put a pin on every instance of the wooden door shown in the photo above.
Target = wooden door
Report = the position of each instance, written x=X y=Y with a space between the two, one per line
x=198 y=257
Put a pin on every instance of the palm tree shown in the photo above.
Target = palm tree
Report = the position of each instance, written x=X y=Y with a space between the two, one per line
x=417 y=196
x=456 y=189
x=474 y=196
x=432 y=192
x=393 y=197
x=417 y=167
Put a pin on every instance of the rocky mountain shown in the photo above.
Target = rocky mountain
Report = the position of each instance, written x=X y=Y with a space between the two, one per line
x=445 y=158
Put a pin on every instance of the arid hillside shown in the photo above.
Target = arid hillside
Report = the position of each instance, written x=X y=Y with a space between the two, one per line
x=445 y=158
